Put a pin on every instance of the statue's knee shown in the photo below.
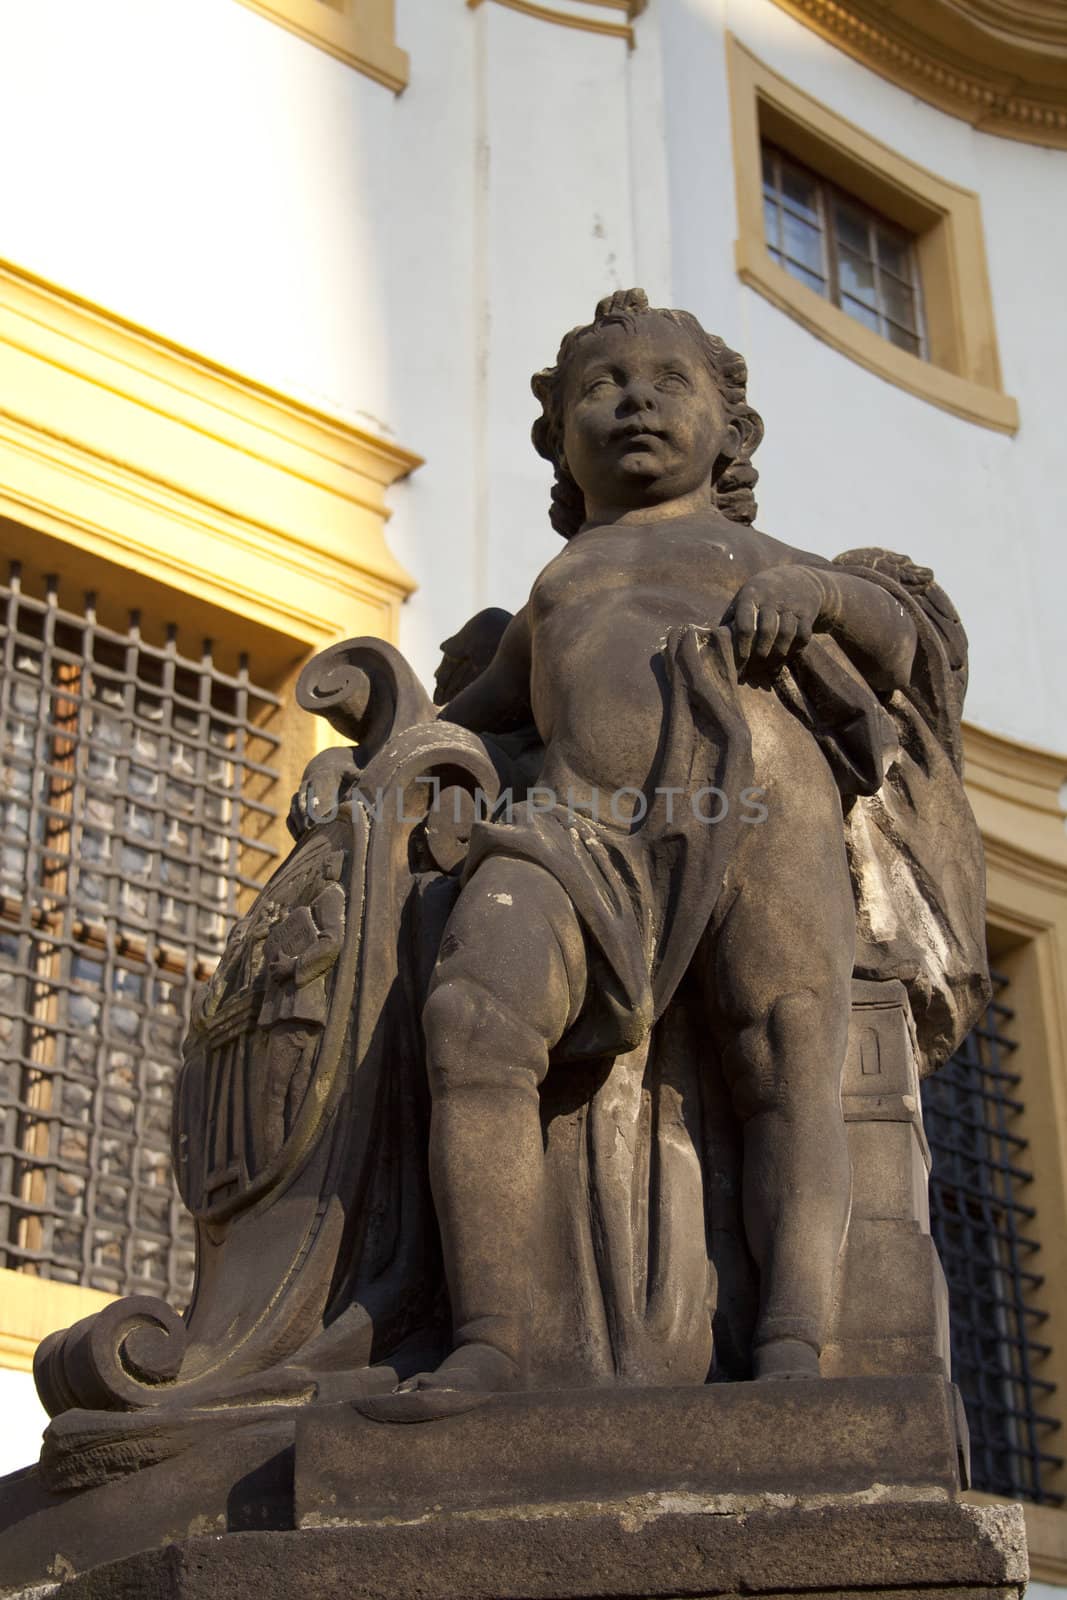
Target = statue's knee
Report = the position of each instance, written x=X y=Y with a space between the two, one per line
x=474 y=1040
x=786 y=1058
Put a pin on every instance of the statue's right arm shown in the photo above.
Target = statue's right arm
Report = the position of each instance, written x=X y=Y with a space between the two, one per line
x=499 y=698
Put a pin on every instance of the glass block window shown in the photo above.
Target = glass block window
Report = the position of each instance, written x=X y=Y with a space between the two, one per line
x=843 y=250
x=985 y=1233
x=136 y=789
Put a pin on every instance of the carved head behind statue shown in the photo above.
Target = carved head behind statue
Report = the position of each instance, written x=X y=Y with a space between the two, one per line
x=739 y=431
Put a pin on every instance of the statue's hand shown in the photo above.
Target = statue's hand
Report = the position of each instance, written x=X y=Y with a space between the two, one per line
x=774 y=614
x=326 y=780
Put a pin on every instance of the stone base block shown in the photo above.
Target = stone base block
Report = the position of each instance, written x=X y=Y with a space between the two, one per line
x=651 y=1546
x=850 y=1483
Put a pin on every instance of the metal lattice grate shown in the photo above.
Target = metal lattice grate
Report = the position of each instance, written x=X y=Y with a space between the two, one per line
x=135 y=794
x=983 y=1232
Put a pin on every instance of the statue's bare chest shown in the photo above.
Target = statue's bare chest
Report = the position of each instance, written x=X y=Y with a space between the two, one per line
x=648 y=565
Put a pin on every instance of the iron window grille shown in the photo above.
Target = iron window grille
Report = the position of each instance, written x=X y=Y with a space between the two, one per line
x=136 y=796
x=843 y=250
x=984 y=1232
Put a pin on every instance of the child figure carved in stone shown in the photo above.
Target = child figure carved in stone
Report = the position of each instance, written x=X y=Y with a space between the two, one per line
x=669 y=651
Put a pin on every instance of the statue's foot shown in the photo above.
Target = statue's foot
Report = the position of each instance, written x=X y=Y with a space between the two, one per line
x=785 y=1358
x=469 y=1377
x=472 y=1367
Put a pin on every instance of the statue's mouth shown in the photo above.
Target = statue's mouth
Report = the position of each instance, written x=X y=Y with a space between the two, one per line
x=637 y=437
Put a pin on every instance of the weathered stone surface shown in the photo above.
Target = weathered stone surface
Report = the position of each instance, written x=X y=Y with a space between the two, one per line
x=731 y=1443
x=665 y=1546
x=230 y=1480
x=732 y=1446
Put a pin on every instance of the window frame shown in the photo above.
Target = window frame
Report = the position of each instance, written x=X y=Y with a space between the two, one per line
x=1016 y=792
x=361 y=33
x=961 y=372
x=78 y=937
x=828 y=198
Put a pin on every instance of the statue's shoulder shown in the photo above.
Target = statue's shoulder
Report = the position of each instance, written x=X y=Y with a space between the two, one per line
x=776 y=553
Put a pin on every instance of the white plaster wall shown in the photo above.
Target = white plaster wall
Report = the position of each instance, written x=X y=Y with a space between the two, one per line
x=594 y=167
x=204 y=172
x=413 y=259
x=848 y=458
x=24 y=1420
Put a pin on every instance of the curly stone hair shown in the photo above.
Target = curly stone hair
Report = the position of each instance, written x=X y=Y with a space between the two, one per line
x=734 y=477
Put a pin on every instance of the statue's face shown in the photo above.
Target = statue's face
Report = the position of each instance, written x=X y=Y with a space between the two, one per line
x=644 y=421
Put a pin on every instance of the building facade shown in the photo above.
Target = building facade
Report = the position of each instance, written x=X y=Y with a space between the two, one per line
x=274 y=275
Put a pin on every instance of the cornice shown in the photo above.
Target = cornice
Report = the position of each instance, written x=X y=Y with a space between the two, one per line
x=1017 y=792
x=1033 y=25
x=581 y=18
x=1036 y=776
x=156 y=458
x=366 y=41
x=1000 y=65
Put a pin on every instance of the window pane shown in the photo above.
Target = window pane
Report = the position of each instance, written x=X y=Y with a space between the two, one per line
x=901 y=336
x=861 y=313
x=842 y=249
x=856 y=276
x=802 y=242
x=894 y=254
x=850 y=227
x=770 y=223
x=898 y=302
x=768 y=167
x=799 y=188
x=812 y=279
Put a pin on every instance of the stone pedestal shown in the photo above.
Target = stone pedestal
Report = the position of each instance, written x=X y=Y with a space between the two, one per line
x=831 y=1487
x=651 y=1546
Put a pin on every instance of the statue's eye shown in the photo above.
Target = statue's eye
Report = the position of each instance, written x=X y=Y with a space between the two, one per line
x=597 y=385
x=673 y=382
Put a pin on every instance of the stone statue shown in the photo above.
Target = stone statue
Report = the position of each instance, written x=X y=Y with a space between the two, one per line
x=577 y=1043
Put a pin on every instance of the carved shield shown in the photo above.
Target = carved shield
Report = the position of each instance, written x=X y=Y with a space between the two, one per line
x=261 y=1061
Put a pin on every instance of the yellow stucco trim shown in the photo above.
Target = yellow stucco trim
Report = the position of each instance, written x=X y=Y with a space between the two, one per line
x=232 y=494
x=32 y=1307
x=999 y=66
x=573 y=19
x=963 y=372
x=1017 y=793
x=361 y=33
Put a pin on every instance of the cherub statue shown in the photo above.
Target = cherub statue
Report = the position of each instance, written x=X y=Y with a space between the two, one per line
x=599 y=1036
x=711 y=702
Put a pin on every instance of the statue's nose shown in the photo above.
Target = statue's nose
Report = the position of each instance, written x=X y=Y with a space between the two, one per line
x=639 y=396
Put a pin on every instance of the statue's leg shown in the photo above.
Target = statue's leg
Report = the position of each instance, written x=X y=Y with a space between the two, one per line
x=509 y=980
x=780 y=974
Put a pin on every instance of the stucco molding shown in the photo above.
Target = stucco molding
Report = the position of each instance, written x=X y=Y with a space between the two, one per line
x=131 y=448
x=581 y=18
x=1017 y=792
x=32 y=1307
x=361 y=33
x=1000 y=66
